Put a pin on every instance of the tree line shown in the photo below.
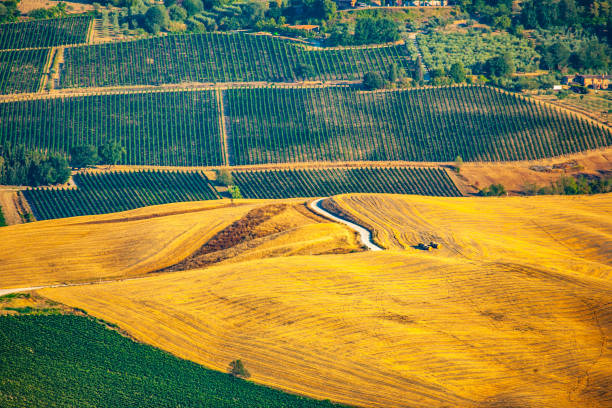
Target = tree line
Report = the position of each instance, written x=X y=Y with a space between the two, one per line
x=20 y=166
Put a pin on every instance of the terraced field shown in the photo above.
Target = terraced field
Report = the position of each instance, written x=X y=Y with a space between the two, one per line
x=101 y=193
x=219 y=57
x=325 y=182
x=433 y=124
x=402 y=328
x=44 y=33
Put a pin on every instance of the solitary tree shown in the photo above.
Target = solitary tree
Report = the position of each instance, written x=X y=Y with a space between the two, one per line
x=457 y=73
x=393 y=73
x=111 y=153
x=419 y=75
x=237 y=369
x=224 y=177
x=458 y=163
x=373 y=80
x=83 y=156
x=235 y=192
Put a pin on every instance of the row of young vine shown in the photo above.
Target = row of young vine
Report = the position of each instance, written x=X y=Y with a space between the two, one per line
x=219 y=57
x=268 y=125
x=100 y=193
x=478 y=123
x=177 y=128
x=327 y=182
x=59 y=360
x=45 y=33
x=21 y=71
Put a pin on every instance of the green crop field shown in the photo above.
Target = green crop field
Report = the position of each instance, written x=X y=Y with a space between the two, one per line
x=100 y=193
x=156 y=128
x=327 y=182
x=441 y=50
x=50 y=361
x=44 y=33
x=21 y=71
x=431 y=124
x=218 y=57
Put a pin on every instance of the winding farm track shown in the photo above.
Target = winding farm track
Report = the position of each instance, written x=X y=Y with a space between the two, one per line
x=364 y=234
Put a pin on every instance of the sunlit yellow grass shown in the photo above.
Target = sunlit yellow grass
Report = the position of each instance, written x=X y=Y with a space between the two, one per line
x=514 y=311
x=567 y=233
x=379 y=329
x=135 y=242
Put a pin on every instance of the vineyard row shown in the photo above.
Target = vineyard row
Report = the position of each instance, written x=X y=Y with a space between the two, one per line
x=274 y=125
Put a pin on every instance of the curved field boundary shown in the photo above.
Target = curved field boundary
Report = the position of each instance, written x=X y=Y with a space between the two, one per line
x=364 y=234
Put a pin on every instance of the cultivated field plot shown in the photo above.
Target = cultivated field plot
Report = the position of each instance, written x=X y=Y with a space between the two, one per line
x=44 y=33
x=156 y=128
x=561 y=233
x=39 y=355
x=326 y=182
x=117 y=245
x=441 y=50
x=390 y=329
x=214 y=57
x=434 y=124
x=178 y=236
x=21 y=71
x=101 y=193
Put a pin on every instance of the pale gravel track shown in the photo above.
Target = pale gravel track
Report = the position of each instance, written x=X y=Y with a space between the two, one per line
x=364 y=234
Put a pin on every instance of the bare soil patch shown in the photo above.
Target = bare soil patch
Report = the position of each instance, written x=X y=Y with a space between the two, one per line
x=514 y=175
x=25 y=6
x=14 y=207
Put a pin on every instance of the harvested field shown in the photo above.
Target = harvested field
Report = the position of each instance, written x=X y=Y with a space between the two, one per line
x=514 y=310
x=136 y=242
x=391 y=329
x=573 y=234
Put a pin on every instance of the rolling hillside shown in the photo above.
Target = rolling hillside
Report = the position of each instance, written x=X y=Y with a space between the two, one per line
x=403 y=328
x=133 y=243
x=570 y=234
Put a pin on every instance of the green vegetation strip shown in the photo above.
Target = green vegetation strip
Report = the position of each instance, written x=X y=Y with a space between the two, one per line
x=478 y=123
x=441 y=50
x=74 y=361
x=44 y=33
x=216 y=57
x=326 y=182
x=119 y=191
x=2 y=219
x=21 y=71
x=179 y=128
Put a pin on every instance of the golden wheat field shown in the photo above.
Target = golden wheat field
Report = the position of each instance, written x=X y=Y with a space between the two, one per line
x=136 y=242
x=515 y=309
x=573 y=234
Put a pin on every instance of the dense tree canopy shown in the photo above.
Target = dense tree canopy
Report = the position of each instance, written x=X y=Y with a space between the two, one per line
x=19 y=166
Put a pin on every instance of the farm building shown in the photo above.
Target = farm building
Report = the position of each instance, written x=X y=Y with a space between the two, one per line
x=305 y=27
x=594 y=81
